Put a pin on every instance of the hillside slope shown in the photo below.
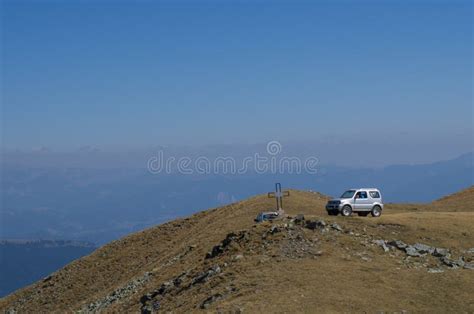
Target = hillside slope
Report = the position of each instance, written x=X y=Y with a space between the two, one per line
x=460 y=201
x=221 y=260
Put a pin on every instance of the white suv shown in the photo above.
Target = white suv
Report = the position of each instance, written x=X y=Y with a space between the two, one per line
x=361 y=201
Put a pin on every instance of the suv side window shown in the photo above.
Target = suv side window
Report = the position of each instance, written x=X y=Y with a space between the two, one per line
x=374 y=194
x=361 y=195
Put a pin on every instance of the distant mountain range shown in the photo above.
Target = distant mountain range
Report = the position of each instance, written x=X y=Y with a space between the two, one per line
x=102 y=204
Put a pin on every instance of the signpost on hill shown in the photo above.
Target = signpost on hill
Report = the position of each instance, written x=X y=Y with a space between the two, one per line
x=278 y=195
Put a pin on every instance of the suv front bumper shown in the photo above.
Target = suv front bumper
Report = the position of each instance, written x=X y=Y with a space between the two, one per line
x=330 y=207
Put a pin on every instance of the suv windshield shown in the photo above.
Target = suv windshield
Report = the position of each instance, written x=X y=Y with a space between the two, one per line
x=348 y=194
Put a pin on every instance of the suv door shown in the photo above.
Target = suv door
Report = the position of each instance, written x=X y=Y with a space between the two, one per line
x=361 y=201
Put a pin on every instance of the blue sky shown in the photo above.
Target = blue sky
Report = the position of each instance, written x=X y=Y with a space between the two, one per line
x=141 y=73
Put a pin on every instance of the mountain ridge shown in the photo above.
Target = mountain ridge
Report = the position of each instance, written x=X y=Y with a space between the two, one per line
x=186 y=265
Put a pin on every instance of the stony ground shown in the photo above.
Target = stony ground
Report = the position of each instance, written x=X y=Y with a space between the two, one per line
x=415 y=258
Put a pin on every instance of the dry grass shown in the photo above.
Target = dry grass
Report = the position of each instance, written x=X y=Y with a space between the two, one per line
x=338 y=280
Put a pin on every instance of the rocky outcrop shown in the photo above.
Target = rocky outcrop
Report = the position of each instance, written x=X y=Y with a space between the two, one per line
x=118 y=294
x=315 y=224
x=421 y=250
x=229 y=239
x=151 y=301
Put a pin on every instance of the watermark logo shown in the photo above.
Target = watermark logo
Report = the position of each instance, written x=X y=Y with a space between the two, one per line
x=274 y=148
x=272 y=161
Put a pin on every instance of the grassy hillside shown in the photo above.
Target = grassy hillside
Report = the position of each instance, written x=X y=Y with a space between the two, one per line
x=284 y=266
x=460 y=201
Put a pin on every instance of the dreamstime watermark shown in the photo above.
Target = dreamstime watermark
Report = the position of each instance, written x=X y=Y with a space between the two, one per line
x=270 y=162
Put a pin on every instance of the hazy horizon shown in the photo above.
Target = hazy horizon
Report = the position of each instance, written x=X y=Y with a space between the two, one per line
x=97 y=157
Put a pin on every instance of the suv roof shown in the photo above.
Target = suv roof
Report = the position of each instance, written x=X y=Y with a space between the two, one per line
x=375 y=189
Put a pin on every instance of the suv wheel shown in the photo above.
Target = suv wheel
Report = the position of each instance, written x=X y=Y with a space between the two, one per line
x=346 y=211
x=376 y=211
